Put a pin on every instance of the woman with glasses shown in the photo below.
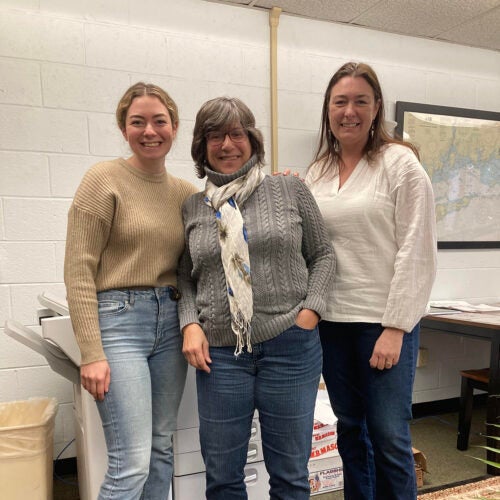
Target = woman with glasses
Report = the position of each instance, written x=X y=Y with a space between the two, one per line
x=253 y=279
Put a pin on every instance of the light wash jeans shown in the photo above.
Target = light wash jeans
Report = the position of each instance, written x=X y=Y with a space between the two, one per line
x=143 y=344
x=373 y=408
x=280 y=379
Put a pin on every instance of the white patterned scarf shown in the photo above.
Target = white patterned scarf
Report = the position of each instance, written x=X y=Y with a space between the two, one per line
x=234 y=249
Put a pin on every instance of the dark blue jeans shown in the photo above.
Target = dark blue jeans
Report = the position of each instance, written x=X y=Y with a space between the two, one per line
x=280 y=379
x=373 y=409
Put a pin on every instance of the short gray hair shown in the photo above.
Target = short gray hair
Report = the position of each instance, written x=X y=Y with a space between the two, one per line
x=219 y=114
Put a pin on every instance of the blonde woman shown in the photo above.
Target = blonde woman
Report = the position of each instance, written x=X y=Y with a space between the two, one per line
x=125 y=236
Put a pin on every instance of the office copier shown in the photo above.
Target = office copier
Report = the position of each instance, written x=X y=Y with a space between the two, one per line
x=58 y=345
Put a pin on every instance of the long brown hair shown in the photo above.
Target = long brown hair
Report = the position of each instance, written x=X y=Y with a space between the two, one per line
x=329 y=150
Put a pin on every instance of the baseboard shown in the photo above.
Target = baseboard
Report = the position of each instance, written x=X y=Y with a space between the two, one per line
x=444 y=406
x=65 y=466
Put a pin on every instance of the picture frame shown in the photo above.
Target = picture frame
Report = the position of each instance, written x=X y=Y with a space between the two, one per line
x=460 y=150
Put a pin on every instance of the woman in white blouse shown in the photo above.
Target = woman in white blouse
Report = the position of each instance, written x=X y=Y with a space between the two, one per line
x=378 y=206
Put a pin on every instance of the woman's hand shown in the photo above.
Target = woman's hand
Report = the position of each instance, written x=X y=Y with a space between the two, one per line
x=307 y=319
x=286 y=172
x=387 y=349
x=195 y=347
x=95 y=378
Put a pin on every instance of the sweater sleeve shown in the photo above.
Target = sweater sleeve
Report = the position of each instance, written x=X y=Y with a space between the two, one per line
x=316 y=249
x=416 y=258
x=186 y=306
x=87 y=234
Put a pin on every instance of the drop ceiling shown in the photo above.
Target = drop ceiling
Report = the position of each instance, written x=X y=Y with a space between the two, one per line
x=475 y=23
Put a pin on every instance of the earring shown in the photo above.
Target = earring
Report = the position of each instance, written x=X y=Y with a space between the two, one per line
x=372 y=129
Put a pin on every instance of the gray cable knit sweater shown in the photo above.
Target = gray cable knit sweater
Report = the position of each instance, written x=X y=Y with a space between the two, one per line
x=291 y=260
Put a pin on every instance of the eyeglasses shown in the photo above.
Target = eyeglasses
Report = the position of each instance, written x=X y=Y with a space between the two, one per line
x=216 y=138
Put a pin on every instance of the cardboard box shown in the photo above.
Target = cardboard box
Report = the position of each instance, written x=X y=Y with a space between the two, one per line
x=325 y=474
x=324 y=449
x=420 y=466
x=323 y=432
x=324 y=463
x=326 y=480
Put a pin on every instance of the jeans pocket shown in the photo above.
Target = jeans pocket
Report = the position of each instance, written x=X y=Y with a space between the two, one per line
x=302 y=329
x=109 y=307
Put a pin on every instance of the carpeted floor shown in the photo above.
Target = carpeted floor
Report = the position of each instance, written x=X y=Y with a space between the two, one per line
x=436 y=437
x=66 y=487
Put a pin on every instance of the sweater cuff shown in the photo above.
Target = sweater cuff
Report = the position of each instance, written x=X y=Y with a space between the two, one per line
x=315 y=303
x=91 y=352
x=187 y=317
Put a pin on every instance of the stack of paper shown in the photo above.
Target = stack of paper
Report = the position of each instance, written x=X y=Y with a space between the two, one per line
x=461 y=305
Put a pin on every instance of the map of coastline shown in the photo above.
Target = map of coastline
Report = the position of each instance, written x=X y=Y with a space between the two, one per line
x=462 y=157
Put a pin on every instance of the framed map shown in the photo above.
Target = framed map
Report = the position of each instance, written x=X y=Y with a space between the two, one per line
x=460 y=150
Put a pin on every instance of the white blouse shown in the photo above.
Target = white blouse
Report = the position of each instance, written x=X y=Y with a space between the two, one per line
x=383 y=230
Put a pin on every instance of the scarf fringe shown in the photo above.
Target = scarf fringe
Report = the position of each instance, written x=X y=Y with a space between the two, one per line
x=243 y=331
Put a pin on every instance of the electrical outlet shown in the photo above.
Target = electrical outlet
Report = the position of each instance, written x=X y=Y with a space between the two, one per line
x=422 y=357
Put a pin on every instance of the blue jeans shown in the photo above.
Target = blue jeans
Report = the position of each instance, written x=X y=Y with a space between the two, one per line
x=143 y=344
x=280 y=379
x=373 y=409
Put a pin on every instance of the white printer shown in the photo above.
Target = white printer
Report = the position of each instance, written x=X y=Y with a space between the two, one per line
x=58 y=345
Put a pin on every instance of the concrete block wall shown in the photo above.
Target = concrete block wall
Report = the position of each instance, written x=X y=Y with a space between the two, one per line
x=63 y=67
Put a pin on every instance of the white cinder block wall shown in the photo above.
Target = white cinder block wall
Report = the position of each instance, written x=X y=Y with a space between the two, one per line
x=63 y=67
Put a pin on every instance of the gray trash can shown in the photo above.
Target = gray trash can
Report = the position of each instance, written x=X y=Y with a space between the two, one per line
x=26 y=449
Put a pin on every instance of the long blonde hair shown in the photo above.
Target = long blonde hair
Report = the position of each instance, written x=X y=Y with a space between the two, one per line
x=140 y=89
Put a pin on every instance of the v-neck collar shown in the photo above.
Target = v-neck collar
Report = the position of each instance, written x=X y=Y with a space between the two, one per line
x=355 y=173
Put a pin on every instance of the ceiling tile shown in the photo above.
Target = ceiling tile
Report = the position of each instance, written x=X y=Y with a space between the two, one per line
x=467 y=22
x=422 y=17
x=326 y=10
x=480 y=32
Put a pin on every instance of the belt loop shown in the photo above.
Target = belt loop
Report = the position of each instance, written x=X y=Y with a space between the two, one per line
x=131 y=297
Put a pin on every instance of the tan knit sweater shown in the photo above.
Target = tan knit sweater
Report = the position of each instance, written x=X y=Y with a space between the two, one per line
x=124 y=230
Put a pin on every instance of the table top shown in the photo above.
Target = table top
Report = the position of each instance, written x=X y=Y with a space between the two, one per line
x=490 y=320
